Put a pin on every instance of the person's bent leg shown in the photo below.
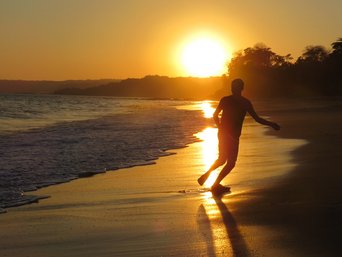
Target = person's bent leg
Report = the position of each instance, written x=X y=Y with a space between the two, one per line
x=224 y=172
x=219 y=162
x=232 y=157
x=222 y=158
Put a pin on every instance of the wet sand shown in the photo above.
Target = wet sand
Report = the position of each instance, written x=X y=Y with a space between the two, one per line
x=159 y=210
x=308 y=202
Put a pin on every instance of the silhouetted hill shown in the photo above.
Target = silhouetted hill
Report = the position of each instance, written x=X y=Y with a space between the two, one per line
x=47 y=87
x=156 y=87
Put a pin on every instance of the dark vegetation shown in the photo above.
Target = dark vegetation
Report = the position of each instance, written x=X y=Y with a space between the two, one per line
x=318 y=71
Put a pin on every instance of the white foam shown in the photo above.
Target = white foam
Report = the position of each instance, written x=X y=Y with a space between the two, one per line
x=55 y=153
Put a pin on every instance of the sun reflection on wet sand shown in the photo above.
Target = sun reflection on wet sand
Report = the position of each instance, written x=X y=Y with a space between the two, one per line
x=220 y=230
x=210 y=142
x=263 y=160
x=261 y=156
x=209 y=151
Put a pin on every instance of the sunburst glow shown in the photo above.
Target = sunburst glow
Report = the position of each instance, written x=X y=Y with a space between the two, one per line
x=204 y=57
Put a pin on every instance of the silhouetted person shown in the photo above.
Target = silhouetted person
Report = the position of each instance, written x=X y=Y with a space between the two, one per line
x=234 y=109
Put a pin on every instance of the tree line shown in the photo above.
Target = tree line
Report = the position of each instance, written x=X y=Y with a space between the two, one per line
x=318 y=71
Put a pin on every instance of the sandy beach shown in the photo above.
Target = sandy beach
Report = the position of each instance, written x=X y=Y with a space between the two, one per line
x=286 y=203
x=110 y=113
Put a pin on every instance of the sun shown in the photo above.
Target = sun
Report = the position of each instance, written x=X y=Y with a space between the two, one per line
x=204 y=57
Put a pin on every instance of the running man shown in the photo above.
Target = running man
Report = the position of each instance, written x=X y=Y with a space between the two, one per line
x=234 y=109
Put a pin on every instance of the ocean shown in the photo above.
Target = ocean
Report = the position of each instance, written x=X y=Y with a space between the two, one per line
x=51 y=139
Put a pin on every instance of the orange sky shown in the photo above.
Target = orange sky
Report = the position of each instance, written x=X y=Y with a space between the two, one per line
x=80 y=39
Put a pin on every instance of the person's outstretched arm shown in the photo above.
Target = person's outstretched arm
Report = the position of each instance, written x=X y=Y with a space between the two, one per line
x=251 y=111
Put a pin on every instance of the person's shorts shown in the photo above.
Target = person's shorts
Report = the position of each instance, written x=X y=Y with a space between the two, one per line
x=228 y=147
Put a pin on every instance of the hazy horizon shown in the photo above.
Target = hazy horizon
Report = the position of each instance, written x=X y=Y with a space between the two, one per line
x=115 y=79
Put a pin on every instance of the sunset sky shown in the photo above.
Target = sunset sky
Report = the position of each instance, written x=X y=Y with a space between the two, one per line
x=83 y=39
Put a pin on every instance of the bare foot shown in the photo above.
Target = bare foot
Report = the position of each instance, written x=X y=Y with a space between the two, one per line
x=202 y=179
x=219 y=189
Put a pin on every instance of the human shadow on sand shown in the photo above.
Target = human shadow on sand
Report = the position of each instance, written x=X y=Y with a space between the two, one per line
x=224 y=218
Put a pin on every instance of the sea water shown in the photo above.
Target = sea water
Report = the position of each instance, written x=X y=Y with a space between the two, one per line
x=50 y=139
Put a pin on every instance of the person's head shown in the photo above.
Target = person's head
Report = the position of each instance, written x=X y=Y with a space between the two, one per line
x=237 y=86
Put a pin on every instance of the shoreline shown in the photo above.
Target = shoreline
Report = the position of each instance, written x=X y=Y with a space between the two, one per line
x=140 y=211
x=108 y=150
x=32 y=199
x=71 y=208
